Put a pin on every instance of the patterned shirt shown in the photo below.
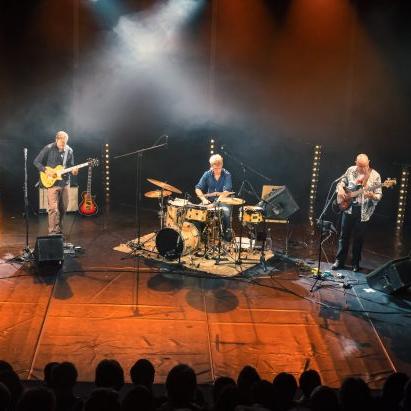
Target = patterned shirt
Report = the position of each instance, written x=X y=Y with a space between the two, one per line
x=350 y=180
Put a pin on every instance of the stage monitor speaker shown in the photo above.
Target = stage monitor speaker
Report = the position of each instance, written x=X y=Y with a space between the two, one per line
x=49 y=249
x=278 y=203
x=392 y=276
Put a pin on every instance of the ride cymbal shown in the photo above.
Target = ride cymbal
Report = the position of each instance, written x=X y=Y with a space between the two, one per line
x=165 y=186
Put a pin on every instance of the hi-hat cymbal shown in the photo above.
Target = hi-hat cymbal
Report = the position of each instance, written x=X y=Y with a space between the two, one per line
x=165 y=186
x=231 y=201
x=157 y=193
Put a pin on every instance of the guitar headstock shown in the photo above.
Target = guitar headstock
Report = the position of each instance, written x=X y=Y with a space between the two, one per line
x=93 y=162
x=389 y=182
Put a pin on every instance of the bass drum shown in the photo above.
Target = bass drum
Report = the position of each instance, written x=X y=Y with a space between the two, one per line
x=173 y=243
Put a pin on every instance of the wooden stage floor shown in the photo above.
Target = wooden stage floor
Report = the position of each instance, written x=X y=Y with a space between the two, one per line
x=101 y=305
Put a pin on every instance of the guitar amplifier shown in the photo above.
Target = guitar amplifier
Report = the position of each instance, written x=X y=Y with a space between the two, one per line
x=73 y=200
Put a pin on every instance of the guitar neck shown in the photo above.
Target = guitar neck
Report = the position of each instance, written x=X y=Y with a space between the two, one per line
x=361 y=190
x=67 y=170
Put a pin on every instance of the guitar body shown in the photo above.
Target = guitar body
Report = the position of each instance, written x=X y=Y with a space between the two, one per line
x=48 y=181
x=88 y=206
x=345 y=204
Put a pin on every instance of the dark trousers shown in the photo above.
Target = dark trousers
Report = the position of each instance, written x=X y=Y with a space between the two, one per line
x=351 y=226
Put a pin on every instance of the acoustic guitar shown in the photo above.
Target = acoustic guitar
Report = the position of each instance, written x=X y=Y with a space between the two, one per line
x=88 y=206
x=345 y=204
x=58 y=171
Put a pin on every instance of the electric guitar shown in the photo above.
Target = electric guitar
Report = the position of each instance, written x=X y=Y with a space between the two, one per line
x=58 y=171
x=345 y=204
x=88 y=206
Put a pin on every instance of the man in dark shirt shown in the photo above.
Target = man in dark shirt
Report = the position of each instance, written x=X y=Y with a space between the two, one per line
x=52 y=155
x=216 y=180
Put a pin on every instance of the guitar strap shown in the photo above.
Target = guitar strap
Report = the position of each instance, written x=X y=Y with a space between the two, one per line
x=65 y=156
x=364 y=184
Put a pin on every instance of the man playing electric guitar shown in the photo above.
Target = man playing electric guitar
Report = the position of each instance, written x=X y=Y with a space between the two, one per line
x=52 y=155
x=358 y=209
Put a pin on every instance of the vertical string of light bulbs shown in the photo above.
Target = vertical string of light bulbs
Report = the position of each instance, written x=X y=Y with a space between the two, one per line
x=402 y=198
x=314 y=183
x=106 y=173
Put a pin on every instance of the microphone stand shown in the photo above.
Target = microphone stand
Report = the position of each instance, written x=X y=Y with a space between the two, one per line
x=27 y=254
x=139 y=246
x=320 y=222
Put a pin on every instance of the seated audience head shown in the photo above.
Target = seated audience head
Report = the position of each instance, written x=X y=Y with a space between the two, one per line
x=12 y=381
x=36 y=399
x=219 y=384
x=5 y=398
x=228 y=399
x=247 y=377
x=138 y=398
x=103 y=399
x=284 y=389
x=355 y=395
x=64 y=376
x=181 y=385
x=47 y=372
x=393 y=389
x=324 y=398
x=5 y=366
x=109 y=374
x=142 y=373
x=262 y=393
x=406 y=399
x=308 y=380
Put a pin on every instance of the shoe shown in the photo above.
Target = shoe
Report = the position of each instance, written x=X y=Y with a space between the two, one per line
x=356 y=268
x=337 y=265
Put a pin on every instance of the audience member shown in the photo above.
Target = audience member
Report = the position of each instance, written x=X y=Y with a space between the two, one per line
x=103 y=399
x=355 y=395
x=109 y=374
x=284 y=390
x=324 y=398
x=247 y=377
x=138 y=398
x=5 y=398
x=64 y=378
x=37 y=399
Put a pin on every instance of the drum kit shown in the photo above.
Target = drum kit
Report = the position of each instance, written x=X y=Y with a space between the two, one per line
x=187 y=228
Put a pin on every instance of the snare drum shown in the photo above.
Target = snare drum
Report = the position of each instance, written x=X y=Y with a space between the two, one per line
x=252 y=215
x=176 y=212
x=197 y=212
x=173 y=243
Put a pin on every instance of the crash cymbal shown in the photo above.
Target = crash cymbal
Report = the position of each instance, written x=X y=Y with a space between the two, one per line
x=166 y=186
x=157 y=193
x=232 y=201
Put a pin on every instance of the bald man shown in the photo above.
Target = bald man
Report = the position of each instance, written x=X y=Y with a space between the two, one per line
x=355 y=219
x=52 y=155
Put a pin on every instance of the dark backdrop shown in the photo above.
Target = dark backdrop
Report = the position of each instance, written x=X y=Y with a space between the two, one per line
x=268 y=79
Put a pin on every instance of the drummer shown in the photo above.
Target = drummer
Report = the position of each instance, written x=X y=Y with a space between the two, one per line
x=216 y=180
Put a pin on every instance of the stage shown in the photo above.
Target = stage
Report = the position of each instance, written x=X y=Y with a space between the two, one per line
x=106 y=304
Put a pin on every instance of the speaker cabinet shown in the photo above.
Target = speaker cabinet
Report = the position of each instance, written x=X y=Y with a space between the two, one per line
x=73 y=200
x=391 y=277
x=278 y=203
x=49 y=249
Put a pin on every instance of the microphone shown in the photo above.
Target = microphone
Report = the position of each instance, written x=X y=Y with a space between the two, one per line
x=222 y=147
x=339 y=178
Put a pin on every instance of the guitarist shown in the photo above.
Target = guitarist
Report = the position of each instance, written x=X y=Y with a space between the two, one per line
x=355 y=218
x=52 y=155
